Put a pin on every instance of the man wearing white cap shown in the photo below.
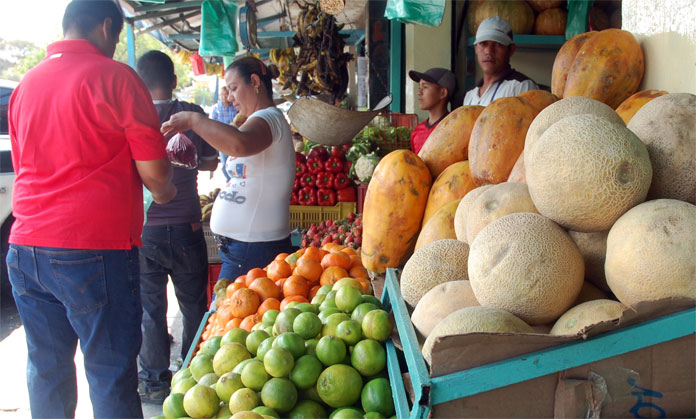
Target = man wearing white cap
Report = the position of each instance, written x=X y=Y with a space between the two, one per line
x=494 y=47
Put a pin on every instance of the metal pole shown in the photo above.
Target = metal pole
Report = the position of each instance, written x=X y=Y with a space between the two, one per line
x=130 y=39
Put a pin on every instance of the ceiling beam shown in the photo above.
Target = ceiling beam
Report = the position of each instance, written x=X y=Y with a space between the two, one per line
x=161 y=13
x=167 y=6
x=168 y=22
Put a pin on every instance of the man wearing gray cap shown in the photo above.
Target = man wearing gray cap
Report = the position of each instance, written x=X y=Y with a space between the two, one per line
x=494 y=47
x=435 y=88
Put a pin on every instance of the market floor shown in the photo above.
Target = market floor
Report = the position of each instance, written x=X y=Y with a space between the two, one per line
x=14 y=398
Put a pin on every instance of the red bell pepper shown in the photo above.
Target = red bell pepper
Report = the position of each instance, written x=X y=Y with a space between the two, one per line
x=296 y=185
x=326 y=197
x=337 y=151
x=300 y=168
x=334 y=165
x=314 y=165
x=307 y=196
x=308 y=179
x=319 y=152
x=341 y=181
x=293 y=198
x=300 y=158
x=346 y=195
x=346 y=166
x=324 y=180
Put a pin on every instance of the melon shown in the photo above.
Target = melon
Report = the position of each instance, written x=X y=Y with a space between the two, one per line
x=462 y=213
x=576 y=105
x=589 y=292
x=439 y=226
x=441 y=261
x=608 y=67
x=538 y=99
x=584 y=172
x=551 y=22
x=452 y=184
x=517 y=172
x=440 y=302
x=476 y=319
x=564 y=61
x=541 y=5
x=526 y=264
x=593 y=247
x=518 y=13
x=498 y=139
x=587 y=314
x=651 y=252
x=449 y=141
x=630 y=106
x=667 y=126
x=500 y=200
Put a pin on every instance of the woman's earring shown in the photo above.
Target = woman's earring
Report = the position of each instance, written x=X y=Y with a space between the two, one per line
x=257 y=90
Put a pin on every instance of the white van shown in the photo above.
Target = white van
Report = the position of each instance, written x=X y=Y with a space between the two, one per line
x=7 y=177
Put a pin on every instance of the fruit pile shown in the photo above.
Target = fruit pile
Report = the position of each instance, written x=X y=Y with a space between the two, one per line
x=347 y=231
x=207 y=202
x=321 y=178
x=308 y=359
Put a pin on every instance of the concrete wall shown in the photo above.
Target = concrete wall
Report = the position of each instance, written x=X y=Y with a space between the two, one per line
x=666 y=30
x=424 y=48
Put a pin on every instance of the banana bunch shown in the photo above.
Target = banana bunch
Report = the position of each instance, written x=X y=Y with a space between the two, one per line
x=214 y=68
x=283 y=58
x=207 y=202
x=183 y=57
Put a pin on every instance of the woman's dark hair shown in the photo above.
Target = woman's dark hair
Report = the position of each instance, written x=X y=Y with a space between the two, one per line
x=156 y=69
x=84 y=15
x=246 y=66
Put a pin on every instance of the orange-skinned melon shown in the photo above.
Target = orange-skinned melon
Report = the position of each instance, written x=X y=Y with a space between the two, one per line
x=630 y=106
x=564 y=61
x=452 y=184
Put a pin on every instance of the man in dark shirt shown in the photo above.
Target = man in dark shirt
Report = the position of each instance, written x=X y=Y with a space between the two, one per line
x=173 y=244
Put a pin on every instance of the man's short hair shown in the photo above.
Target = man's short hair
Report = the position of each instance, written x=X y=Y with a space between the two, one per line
x=156 y=69
x=84 y=15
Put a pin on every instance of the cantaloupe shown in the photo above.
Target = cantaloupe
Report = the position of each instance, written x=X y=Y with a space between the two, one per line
x=526 y=264
x=651 y=252
x=452 y=184
x=477 y=319
x=462 y=213
x=593 y=247
x=431 y=265
x=563 y=108
x=584 y=172
x=589 y=292
x=667 y=126
x=500 y=200
x=440 y=302
x=587 y=314
x=439 y=226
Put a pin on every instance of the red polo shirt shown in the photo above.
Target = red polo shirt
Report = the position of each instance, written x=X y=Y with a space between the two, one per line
x=77 y=122
x=421 y=132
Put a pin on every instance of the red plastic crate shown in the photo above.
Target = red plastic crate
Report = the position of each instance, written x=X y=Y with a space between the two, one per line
x=213 y=273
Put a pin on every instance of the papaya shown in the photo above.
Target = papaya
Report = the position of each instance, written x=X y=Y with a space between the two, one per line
x=497 y=139
x=452 y=184
x=608 y=67
x=393 y=210
x=630 y=106
x=564 y=61
x=518 y=13
x=517 y=174
x=440 y=226
x=539 y=99
x=551 y=22
x=449 y=141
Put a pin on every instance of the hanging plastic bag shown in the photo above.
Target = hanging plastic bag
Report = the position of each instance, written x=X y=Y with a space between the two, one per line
x=577 y=17
x=218 y=28
x=182 y=152
x=420 y=12
x=147 y=202
x=197 y=64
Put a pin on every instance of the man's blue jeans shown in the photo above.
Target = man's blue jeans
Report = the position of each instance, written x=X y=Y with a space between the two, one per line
x=66 y=295
x=239 y=257
x=180 y=252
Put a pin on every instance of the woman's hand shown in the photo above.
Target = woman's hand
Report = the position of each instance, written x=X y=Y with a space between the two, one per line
x=179 y=122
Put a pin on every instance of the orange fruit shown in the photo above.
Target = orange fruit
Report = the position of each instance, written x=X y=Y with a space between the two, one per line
x=349 y=250
x=268 y=304
x=265 y=288
x=308 y=268
x=241 y=279
x=279 y=269
x=312 y=253
x=292 y=258
x=313 y=291
x=332 y=247
x=295 y=285
x=358 y=272
x=356 y=260
x=364 y=285
x=232 y=324
x=249 y=322
x=281 y=256
x=288 y=300
x=232 y=288
x=332 y=274
x=224 y=314
x=244 y=302
x=336 y=259
x=253 y=274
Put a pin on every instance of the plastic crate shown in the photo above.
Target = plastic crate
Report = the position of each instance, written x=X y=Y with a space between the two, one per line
x=407 y=120
x=213 y=274
x=303 y=216
x=213 y=255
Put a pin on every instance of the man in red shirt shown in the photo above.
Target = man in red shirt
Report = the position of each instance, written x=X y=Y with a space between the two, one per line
x=435 y=87
x=85 y=137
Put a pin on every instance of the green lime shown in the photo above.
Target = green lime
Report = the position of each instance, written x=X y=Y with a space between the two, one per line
x=307 y=409
x=227 y=385
x=209 y=379
x=183 y=385
x=306 y=371
x=292 y=342
x=377 y=325
x=307 y=307
x=372 y=299
x=324 y=289
x=283 y=323
x=278 y=362
x=368 y=357
x=201 y=401
x=211 y=345
x=347 y=298
x=240 y=367
x=235 y=335
x=339 y=386
x=181 y=374
x=346 y=413
x=173 y=406
x=254 y=375
x=279 y=394
x=349 y=331
x=264 y=347
x=332 y=322
x=376 y=396
x=331 y=350
x=361 y=310
x=269 y=317
x=254 y=340
x=318 y=299
x=311 y=346
x=324 y=314
x=265 y=411
x=347 y=281
x=308 y=325
x=243 y=399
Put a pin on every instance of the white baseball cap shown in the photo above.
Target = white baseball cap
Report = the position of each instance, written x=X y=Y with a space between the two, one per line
x=494 y=29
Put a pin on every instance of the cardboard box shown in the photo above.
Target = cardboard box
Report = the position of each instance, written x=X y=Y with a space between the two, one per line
x=655 y=381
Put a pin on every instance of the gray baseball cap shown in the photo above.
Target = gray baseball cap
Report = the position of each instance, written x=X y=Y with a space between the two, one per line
x=440 y=76
x=494 y=29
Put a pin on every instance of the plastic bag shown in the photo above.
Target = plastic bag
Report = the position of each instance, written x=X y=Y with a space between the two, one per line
x=421 y=12
x=147 y=202
x=218 y=28
x=577 y=17
x=182 y=152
